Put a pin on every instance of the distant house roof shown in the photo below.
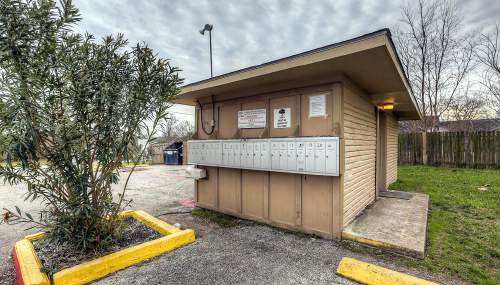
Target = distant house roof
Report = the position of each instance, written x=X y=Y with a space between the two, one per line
x=474 y=125
x=158 y=145
x=480 y=125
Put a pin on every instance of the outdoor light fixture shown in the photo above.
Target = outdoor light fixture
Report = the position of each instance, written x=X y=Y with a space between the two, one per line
x=209 y=28
x=386 y=106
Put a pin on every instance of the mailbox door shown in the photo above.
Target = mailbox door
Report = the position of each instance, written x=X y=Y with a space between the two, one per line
x=264 y=155
x=319 y=157
x=331 y=157
x=309 y=156
x=301 y=155
x=256 y=155
x=218 y=153
x=243 y=152
x=275 y=155
x=227 y=154
x=249 y=153
x=237 y=154
x=283 y=155
x=291 y=157
x=210 y=152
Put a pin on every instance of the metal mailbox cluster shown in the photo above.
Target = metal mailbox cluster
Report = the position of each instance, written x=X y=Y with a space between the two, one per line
x=316 y=155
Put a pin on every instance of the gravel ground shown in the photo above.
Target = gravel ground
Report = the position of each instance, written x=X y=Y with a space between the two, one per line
x=248 y=253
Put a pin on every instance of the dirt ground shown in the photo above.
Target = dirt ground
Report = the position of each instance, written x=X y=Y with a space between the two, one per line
x=246 y=253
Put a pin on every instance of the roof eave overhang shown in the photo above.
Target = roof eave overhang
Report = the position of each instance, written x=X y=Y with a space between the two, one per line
x=330 y=59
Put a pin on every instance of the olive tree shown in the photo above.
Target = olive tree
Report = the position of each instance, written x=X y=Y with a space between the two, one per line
x=77 y=103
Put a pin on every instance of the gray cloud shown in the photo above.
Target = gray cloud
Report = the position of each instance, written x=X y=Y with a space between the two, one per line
x=249 y=32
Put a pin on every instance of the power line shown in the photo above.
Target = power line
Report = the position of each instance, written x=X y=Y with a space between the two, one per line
x=176 y=112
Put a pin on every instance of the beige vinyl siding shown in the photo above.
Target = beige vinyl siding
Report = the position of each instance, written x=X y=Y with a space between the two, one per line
x=360 y=149
x=392 y=150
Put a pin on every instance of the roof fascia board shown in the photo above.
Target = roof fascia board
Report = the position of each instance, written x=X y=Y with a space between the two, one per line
x=397 y=64
x=292 y=62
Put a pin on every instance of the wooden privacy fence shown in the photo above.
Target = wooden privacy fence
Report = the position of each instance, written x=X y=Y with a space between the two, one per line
x=454 y=149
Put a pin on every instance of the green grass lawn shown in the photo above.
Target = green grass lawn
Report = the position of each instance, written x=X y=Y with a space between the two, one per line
x=464 y=224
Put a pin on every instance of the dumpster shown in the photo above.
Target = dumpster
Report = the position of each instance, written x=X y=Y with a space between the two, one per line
x=173 y=154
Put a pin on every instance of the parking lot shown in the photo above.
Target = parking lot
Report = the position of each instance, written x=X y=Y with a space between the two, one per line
x=245 y=253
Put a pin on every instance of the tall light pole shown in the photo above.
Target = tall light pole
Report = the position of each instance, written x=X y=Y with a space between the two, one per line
x=209 y=28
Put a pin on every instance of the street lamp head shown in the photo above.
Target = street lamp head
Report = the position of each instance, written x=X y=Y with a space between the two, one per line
x=207 y=27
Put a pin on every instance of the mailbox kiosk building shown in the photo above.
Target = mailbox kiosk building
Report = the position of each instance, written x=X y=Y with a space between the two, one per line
x=305 y=142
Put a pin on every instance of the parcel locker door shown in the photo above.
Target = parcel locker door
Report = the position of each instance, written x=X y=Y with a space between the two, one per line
x=309 y=156
x=264 y=155
x=319 y=157
x=291 y=157
x=243 y=155
x=249 y=154
x=194 y=153
x=190 y=153
x=203 y=153
x=209 y=152
x=199 y=157
x=218 y=153
x=237 y=154
x=226 y=154
x=283 y=155
x=275 y=155
x=300 y=148
x=256 y=155
x=331 y=157
x=212 y=153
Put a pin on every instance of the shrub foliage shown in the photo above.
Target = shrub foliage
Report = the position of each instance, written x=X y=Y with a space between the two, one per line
x=78 y=103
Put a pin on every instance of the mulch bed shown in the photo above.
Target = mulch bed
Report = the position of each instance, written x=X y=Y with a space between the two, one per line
x=58 y=257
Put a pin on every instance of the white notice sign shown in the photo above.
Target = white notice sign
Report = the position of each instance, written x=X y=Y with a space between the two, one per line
x=317 y=106
x=252 y=119
x=282 y=118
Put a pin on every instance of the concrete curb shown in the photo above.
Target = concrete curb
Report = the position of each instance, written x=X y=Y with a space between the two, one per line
x=28 y=265
x=384 y=245
x=370 y=274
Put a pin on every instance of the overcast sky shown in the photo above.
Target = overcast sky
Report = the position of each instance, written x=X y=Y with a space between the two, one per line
x=250 y=32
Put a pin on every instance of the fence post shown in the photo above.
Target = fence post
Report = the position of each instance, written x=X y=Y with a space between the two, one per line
x=424 y=148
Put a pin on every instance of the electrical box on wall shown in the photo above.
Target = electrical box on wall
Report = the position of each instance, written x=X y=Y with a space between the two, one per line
x=312 y=155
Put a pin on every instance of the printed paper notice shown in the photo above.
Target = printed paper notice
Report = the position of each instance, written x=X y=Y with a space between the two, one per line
x=282 y=118
x=317 y=106
x=252 y=119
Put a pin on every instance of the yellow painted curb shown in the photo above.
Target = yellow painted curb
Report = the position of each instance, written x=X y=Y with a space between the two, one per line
x=154 y=223
x=36 y=236
x=370 y=274
x=173 y=238
x=105 y=265
x=29 y=264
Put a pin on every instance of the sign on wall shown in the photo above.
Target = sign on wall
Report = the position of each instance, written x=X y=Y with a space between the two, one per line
x=282 y=118
x=252 y=119
x=317 y=106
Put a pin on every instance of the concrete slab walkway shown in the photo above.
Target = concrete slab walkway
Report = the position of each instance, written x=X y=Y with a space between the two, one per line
x=399 y=225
